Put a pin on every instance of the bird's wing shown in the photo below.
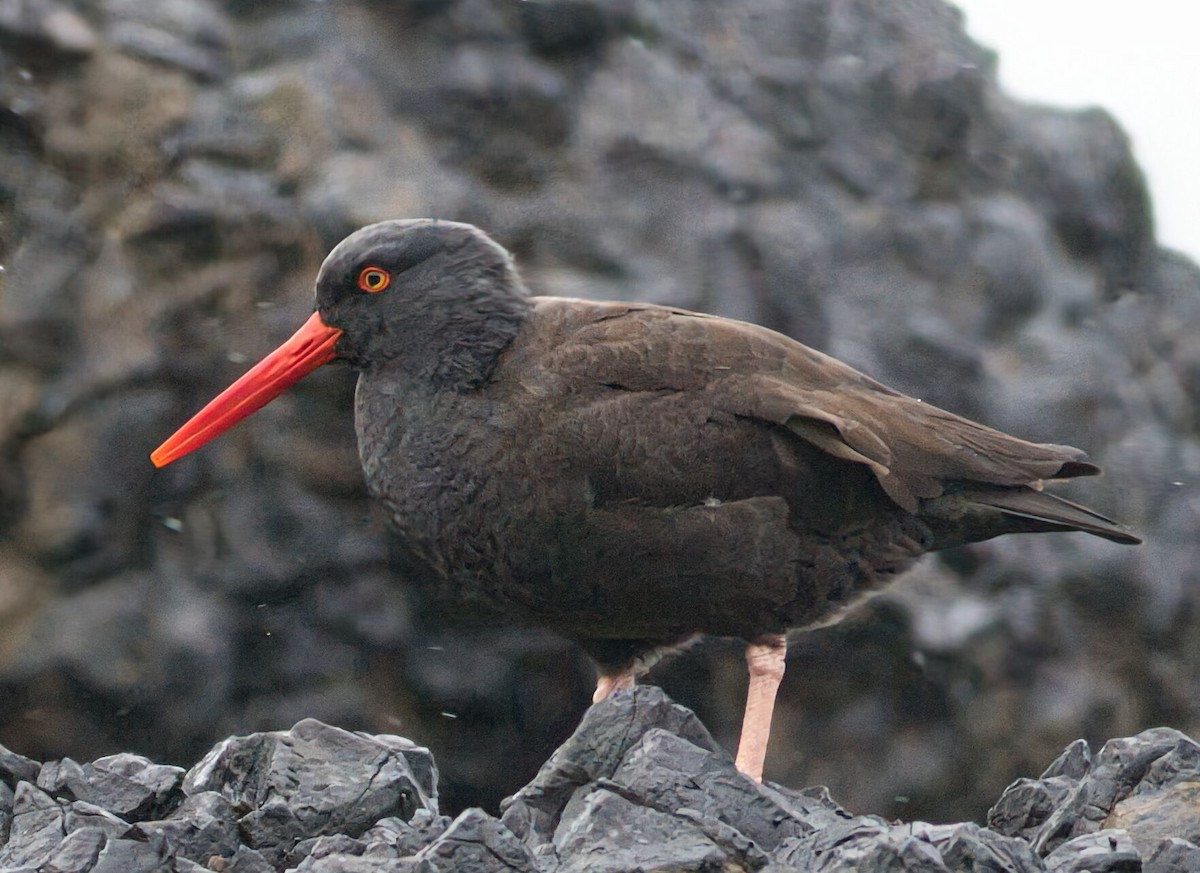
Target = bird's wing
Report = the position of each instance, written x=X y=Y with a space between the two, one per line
x=915 y=450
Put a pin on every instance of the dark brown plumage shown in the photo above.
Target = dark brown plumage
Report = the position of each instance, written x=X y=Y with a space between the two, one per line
x=630 y=475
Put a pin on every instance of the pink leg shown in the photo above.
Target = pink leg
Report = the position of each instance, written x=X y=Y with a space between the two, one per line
x=766 y=663
x=606 y=684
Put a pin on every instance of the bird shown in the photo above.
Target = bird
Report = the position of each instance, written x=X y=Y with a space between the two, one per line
x=633 y=476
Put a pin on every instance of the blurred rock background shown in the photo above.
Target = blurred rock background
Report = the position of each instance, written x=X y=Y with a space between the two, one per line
x=173 y=171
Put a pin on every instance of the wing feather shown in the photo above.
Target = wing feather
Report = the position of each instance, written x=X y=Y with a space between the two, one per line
x=915 y=450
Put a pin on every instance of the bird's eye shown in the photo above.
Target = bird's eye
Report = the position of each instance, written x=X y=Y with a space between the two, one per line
x=374 y=279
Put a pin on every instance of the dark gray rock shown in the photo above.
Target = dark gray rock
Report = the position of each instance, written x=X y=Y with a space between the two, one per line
x=1027 y=804
x=1119 y=768
x=594 y=752
x=314 y=850
x=203 y=826
x=79 y=851
x=867 y=843
x=1174 y=856
x=40 y=823
x=16 y=768
x=672 y=801
x=313 y=780
x=91 y=850
x=354 y=864
x=970 y=847
x=1074 y=763
x=1102 y=851
x=1135 y=799
x=607 y=833
x=477 y=843
x=244 y=860
x=639 y=786
x=564 y=28
x=398 y=838
x=126 y=785
x=667 y=773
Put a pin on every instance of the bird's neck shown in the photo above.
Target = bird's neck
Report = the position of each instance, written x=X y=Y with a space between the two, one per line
x=460 y=350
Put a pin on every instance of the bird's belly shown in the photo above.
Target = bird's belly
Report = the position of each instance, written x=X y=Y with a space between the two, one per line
x=634 y=572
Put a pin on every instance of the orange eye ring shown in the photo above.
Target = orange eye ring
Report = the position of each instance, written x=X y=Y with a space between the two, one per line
x=374 y=279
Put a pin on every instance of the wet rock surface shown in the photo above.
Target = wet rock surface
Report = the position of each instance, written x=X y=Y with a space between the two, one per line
x=172 y=173
x=641 y=785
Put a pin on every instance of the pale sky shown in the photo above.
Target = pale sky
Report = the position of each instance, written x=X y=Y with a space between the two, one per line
x=1137 y=60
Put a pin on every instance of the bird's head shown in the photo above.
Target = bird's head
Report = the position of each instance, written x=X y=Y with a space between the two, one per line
x=439 y=292
x=390 y=285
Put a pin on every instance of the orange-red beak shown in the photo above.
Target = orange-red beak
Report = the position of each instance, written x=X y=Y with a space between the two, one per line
x=310 y=347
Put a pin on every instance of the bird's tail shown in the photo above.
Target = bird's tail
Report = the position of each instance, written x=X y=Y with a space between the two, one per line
x=1056 y=513
x=974 y=515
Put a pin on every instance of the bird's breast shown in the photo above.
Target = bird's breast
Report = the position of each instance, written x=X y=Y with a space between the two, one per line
x=459 y=476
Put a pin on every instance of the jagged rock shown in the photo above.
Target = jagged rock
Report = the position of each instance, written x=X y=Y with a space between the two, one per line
x=639 y=786
x=1175 y=855
x=40 y=824
x=127 y=785
x=866 y=844
x=315 y=779
x=16 y=768
x=395 y=837
x=1104 y=851
x=642 y=784
x=244 y=860
x=1154 y=816
x=203 y=826
x=92 y=850
x=1141 y=787
x=594 y=752
x=608 y=834
x=475 y=842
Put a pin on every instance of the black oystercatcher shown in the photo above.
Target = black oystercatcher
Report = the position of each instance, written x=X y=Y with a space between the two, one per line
x=631 y=475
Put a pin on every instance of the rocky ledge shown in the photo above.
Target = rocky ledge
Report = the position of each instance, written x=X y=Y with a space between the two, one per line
x=640 y=786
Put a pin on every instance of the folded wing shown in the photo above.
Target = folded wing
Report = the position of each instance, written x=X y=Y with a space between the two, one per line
x=927 y=460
